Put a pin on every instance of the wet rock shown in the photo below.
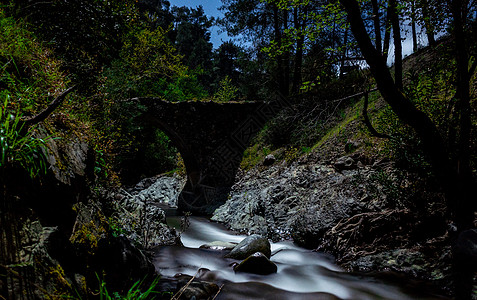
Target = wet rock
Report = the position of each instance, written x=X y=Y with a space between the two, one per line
x=269 y=160
x=256 y=263
x=250 y=245
x=139 y=213
x=195 y=289
x=344 y=163
x=218 y=245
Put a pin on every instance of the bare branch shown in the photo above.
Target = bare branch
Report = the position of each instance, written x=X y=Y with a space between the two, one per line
x=47 y=111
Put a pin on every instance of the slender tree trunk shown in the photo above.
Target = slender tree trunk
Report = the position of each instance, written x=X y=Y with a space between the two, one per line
x=299 y=51
x=377 y=25
x=286 y=58
x=463 y=95
x=387 y=35
x=463 y=203
x=413 y=26
x=394 y=18
x=278 y=38
x=428 y=23
x=345 y=51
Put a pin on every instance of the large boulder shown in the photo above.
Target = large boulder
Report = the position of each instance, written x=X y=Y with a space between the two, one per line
x=139 y=214
x=256 y=263
x=250 y=245
x=299 y=201
x=160 y=189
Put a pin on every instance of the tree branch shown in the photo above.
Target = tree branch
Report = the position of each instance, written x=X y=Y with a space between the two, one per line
x=367 y=122
x=47 y=111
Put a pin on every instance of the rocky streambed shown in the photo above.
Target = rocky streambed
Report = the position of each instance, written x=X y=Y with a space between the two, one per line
x=349 y=207
x=280 y=202
x=245 y=272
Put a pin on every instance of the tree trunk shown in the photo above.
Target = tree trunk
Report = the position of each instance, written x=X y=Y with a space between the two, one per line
x=413 y=26
x=344 y=54
x=457 y=182
x=377 y=25
x=278 y=38
x=299 y=51
x=465 y=217
x=286 y=58
x=428 y=24
x=394 y=18
x=387 y=35
x=401 y=105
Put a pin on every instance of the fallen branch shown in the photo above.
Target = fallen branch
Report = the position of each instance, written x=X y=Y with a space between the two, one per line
x=218 y=292
x=178 y=295
x=47 y=111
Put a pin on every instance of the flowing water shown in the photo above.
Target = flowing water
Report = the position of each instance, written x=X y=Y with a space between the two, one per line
x=302 y=274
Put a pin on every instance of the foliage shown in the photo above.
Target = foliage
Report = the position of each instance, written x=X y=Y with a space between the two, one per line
x=28 y=73
x=254 y=155
x=429 y=90
x=136 y=291
x=17 y=148
x=86 y=35
x=149 y=66
x=192 y=36
x=227 y=91
x=160 y=154
x=115 y=227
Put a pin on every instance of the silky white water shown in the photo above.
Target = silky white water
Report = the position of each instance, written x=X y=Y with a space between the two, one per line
x=301 y=272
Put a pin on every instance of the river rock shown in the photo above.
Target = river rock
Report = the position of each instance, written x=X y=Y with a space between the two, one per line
x=344 y=163
x=256 y=263
x=161 y=189
x=218 y=245
x=250 y=245
x=269 y=160
x=139 y=213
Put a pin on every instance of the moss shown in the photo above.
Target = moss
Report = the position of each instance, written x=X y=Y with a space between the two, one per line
x=58 y=274
x=291 y=154
x=88 y=235
x=254 y=155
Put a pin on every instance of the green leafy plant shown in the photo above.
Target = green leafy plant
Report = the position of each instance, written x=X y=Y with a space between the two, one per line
x=135 y=292
x=115 y=227
x=17 y=148
x=227 y=91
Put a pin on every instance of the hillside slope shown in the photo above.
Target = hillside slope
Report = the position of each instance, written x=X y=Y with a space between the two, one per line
x=371 y=202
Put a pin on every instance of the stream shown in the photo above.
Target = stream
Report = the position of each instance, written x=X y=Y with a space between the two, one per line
x=302 y=273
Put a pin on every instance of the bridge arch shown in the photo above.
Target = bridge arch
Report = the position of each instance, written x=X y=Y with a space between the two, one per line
x=211 y=138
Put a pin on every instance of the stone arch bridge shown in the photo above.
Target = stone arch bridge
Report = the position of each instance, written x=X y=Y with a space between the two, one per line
x=211 y=138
